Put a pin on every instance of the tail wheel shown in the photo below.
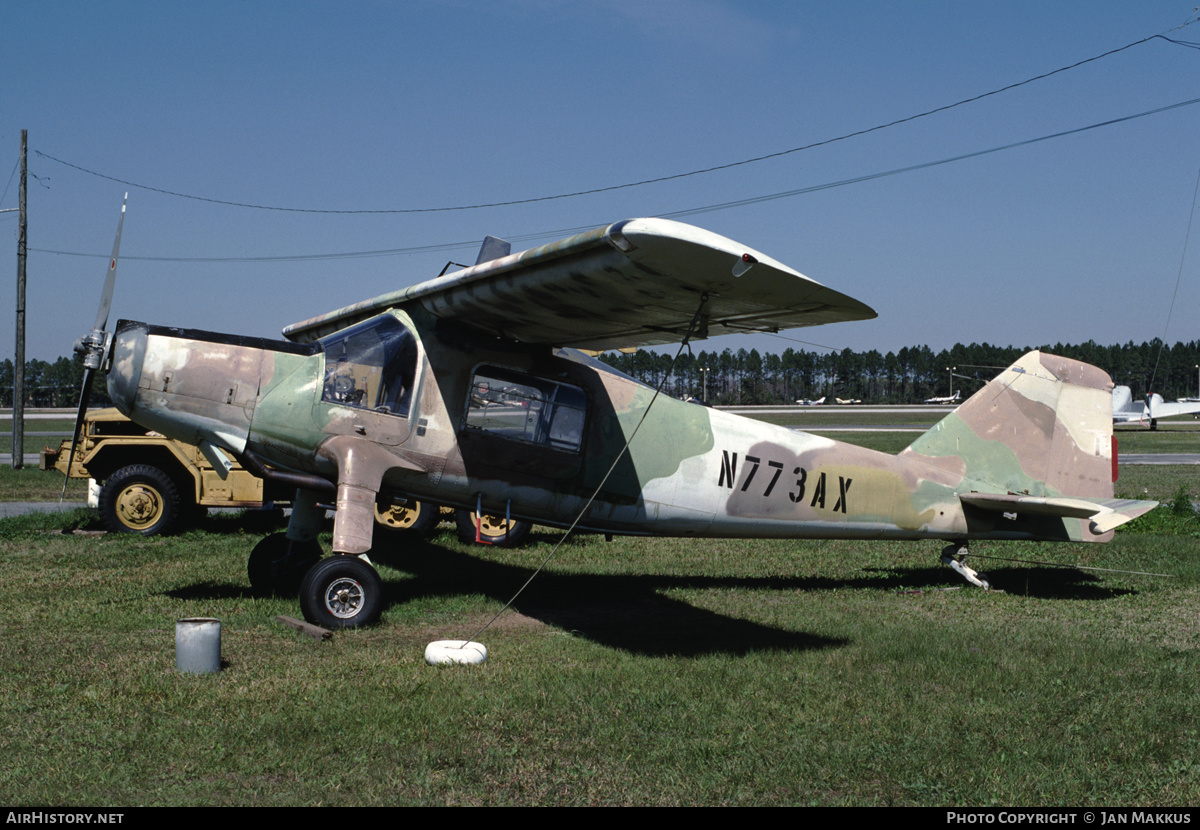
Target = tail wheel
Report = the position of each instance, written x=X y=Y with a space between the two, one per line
x=417 y=517
x=140 y=499
x=341 y=592
x=494 y=530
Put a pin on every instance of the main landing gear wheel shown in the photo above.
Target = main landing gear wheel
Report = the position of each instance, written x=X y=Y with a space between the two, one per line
x=276 y=567
x=417 y=517
x=139 y=499
x=953 y=555
x=341 y=592
x=493 y=530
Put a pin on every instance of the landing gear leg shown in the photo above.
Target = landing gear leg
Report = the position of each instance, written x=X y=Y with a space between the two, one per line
x=279 y=562
x=954 y=556
x=277 y=565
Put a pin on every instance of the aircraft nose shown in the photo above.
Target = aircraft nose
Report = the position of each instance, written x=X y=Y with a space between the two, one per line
x=128 y=349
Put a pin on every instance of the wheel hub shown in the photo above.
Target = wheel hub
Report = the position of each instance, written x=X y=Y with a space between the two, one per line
x=139 y=506
x=400 y=518
x=344 y=598
x=493 y=526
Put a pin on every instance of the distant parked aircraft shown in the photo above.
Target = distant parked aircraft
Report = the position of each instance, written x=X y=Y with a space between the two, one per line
x=1126 y=410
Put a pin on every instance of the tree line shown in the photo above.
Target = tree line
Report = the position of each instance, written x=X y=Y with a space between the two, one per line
x=910 y=375
x=50 y=384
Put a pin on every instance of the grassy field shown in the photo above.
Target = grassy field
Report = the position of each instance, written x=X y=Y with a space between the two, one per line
x=32 y=484
x=636 y=671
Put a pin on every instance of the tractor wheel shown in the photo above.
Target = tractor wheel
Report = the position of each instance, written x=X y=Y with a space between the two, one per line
x=140 y=499
x=418 y=518
x=492 y=529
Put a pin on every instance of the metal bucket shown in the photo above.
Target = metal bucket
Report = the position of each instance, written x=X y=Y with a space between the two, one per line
x=198 y=645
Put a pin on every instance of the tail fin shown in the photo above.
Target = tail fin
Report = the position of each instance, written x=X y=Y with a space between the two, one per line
x=1037 y=440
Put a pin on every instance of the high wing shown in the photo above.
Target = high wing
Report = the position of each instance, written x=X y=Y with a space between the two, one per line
x=634 y=283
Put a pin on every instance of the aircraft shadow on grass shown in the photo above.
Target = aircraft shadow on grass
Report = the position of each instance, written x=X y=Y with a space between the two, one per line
x=1041 y=582
x=632 y=613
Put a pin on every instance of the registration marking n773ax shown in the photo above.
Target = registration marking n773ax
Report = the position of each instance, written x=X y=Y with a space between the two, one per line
x=728 y=478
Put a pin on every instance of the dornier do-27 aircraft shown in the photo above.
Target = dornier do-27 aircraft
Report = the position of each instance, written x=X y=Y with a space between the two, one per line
x=470 y=391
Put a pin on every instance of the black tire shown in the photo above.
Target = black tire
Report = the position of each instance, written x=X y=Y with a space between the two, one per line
x=140 y=499
x=417 y=518
x=341 y=592
x=273 y=572
x=492 y=529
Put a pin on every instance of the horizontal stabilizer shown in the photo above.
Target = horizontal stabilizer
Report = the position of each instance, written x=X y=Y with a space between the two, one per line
x=1105 y=514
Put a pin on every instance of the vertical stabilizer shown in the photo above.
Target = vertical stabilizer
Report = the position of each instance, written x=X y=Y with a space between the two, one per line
x=1043 y=427
x=493 y=247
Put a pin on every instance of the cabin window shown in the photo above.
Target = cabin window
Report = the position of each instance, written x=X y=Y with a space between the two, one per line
x=524 y=408
x=372 y=365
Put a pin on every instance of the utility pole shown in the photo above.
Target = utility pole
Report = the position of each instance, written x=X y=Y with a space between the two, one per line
x=18 y=413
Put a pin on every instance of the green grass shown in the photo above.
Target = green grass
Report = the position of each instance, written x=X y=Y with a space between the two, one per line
x=1169 y=437
x=32 y=484
x=1157 y=482
x=638 y=671
x=34 y=443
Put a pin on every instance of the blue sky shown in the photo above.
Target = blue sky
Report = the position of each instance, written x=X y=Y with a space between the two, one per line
x=415 y=105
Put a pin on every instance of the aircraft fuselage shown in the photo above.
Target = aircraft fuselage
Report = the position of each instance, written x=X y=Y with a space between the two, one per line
x=406 y=406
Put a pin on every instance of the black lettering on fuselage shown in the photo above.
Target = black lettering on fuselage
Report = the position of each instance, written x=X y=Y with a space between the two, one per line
x=818 y=499
x=843 y=489
x=778 y=467
x=728 y=477
x=728 y=469
x=797 y=495
x=750 y=475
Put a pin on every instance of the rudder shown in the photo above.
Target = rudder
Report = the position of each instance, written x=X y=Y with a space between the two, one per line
x=1042 y=427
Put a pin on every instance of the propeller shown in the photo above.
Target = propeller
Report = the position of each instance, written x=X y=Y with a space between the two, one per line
x=94 y=345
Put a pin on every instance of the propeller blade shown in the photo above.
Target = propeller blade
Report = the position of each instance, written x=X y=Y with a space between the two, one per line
x=85 y=394
x=92 y=347
x=110 y=280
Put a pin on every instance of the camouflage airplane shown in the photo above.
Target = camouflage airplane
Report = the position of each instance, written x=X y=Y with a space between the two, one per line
x=472 y=391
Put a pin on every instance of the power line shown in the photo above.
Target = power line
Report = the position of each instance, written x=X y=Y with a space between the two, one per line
x=449 y=246
x=923 y=166
x=643 y=182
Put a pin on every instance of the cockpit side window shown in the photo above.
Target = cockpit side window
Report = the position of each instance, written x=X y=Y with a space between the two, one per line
x=521 y=407
x=371 y=365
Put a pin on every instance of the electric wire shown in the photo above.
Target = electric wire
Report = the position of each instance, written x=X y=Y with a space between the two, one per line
x=1175 y=294
x=925 y=165
x=8 y=184
x=643 y=182
x=447 y=246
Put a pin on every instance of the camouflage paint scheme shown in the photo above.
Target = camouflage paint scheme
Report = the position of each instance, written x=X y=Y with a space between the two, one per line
x=1028 y=457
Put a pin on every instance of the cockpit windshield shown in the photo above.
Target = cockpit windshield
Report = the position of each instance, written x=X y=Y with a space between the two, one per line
x=371 y=365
